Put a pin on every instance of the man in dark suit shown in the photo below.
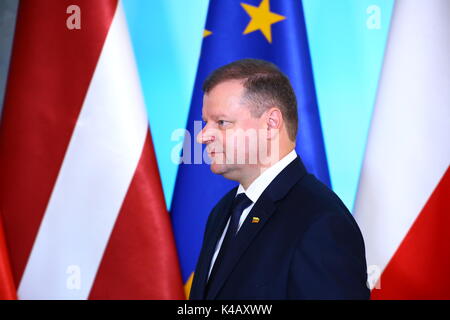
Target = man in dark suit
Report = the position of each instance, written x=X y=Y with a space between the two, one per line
x=281 y=234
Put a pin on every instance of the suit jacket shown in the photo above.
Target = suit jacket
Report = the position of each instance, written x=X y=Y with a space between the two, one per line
x=306 y=245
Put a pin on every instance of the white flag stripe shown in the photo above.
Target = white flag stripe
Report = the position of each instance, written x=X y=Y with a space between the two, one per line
x=408 y=150
x=94 y=178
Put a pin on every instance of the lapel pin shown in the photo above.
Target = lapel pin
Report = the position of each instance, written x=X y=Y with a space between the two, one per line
x=255 y=220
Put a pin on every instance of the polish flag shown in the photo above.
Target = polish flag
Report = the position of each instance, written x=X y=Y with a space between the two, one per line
x=403 y=201
x=80 y=193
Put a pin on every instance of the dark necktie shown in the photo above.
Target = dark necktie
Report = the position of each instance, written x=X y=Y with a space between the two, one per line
x=240 y=203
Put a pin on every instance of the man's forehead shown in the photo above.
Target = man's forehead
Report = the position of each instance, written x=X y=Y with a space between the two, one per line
x=224 y=91
x=222 y=108
x=214 y=111
x=223 y=100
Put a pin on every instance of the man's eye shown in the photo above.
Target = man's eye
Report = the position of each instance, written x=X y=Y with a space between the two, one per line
x=222 y=122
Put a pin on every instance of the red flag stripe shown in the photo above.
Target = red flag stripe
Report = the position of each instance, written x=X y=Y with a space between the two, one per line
x=420 y=267
x=7 y=288
x=141 y=250
x=34 y=100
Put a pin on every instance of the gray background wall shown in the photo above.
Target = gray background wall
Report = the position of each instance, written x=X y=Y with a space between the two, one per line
x=8 y=10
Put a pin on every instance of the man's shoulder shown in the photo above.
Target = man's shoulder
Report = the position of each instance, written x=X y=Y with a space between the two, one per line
x=310 y=202
x=313 y=198
x=311 y=189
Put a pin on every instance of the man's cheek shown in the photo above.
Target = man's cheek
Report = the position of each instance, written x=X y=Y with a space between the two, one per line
x=230 y=148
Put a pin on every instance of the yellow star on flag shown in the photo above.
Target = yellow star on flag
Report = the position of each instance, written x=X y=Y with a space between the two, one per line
x=261 y=19
x=206 y=33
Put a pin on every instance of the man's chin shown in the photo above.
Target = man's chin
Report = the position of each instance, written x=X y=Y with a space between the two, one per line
x=226 y=171
x=217 y=168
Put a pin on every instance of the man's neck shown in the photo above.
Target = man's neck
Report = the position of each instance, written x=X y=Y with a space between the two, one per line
x=258 y=170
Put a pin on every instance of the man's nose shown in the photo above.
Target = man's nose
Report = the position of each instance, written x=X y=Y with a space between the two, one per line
x=206 y=135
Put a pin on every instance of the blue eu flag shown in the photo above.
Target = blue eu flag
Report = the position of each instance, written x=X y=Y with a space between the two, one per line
x=261 y=29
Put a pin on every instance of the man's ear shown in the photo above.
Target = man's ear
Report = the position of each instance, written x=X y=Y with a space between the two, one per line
x=274 y=122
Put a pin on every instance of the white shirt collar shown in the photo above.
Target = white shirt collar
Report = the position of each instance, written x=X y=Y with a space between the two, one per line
x=260 y=184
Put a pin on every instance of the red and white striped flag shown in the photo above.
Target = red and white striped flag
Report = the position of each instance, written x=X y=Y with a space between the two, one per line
x=80 y=192
x=403 y=202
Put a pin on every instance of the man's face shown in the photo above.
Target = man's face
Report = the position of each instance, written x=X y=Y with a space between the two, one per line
x=231 y=133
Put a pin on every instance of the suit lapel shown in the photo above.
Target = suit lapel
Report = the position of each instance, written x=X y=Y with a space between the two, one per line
x=211 y=238
x=263 y=209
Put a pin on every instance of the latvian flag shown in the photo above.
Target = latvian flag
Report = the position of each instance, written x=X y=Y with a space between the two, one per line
x=80 y=194
x=403 y=204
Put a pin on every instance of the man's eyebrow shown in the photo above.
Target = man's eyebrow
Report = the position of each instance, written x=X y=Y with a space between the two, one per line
x=214 y=117
x=218 y=116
